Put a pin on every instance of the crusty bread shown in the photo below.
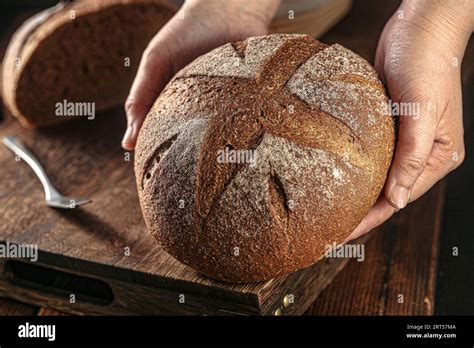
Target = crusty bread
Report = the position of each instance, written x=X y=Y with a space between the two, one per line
x=315 y=116
x=83 y=51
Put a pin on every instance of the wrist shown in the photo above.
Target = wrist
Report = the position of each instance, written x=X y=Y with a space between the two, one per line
x=450 y=22
x=241 y=18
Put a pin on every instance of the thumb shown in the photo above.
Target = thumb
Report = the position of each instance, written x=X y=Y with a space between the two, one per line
x=414 y=145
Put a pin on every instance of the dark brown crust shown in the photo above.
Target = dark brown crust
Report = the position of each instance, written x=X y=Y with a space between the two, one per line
x=332 y=170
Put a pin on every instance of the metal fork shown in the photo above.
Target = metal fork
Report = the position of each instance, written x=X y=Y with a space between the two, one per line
x=53 y=197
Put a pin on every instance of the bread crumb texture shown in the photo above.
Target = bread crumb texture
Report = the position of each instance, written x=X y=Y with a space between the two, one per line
x=80 y=51
x=312 y=118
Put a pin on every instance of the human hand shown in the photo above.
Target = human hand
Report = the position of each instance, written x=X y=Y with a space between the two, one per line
x=419 y=58
x=198 y=27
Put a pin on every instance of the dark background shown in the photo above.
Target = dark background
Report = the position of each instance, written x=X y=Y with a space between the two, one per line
x=455 y=275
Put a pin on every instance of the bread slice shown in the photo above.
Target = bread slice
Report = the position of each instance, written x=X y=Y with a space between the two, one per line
x=78 y=52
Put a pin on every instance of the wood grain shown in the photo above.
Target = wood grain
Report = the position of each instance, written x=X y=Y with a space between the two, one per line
x=50 y=312
x=398 y=276
x=11 y=307
x=400 y=256
x=84 y=158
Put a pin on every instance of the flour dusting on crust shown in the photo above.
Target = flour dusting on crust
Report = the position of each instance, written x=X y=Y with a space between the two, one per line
x=278 y=214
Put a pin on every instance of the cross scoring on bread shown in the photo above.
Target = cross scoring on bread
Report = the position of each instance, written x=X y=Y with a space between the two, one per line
x=266 y=108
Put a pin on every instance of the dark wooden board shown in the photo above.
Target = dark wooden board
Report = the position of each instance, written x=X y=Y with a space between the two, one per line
x=393 y=265
x=84 y=158
x=398 y=275
x=455 y=272
x=402 y=255
x=11 y=307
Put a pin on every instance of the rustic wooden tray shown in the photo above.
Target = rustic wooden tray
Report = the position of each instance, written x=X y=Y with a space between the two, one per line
x=101 y=253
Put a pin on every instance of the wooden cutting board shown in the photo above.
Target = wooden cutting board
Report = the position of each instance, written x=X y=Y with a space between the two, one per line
x=102 y=253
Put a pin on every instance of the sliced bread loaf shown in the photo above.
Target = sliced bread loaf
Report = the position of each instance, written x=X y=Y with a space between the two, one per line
x=78 y=52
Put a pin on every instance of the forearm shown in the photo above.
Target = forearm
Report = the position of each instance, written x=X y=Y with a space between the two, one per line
x=261 y=11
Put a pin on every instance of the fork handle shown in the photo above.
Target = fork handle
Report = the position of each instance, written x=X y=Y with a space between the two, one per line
x=15 y=145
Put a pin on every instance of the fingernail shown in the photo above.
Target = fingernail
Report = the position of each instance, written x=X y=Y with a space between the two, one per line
x=399 y=196
x=128 y=134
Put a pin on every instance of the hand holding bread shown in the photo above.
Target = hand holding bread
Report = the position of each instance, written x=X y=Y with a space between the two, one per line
x=198 y=27
x=261 y=154
x=419 y=57
x=254 y=152
x=418 y=71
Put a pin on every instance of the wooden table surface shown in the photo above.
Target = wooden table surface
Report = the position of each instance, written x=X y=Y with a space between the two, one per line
x=402 y=273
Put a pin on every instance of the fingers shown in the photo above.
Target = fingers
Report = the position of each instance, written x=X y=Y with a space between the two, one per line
x=430 y=141
x=154 y=71
x=416 y=136
x=379 y=213
x=163 y=57
x=442 y=161
x=199 y=28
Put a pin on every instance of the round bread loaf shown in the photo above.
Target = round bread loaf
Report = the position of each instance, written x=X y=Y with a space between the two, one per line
x=260 y=154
